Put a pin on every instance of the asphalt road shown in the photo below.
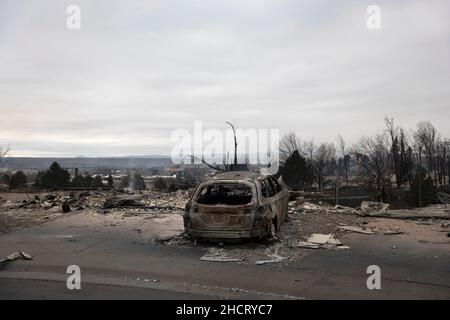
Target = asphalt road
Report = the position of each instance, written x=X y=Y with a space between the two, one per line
x=114 y=265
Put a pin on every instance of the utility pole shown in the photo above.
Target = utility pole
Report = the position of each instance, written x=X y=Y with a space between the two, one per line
x=337 y=189
x=444 y=162
x=420 y=177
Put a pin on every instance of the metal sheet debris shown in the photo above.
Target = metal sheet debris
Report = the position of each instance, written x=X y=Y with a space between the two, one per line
x=219 y=255
x=318 y=241
x=16 y=255
x=356 y=229
x=318 y=238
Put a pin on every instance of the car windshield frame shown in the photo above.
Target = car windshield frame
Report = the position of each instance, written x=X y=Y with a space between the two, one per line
x=249 y=187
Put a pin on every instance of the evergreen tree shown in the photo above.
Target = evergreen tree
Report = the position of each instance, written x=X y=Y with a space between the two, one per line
x=296 y=172
x=5 y=179
x=54 y=177
x=160 y=184
x=18 y=180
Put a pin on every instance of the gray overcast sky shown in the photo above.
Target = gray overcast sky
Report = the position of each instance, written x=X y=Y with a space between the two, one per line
x=137 y=70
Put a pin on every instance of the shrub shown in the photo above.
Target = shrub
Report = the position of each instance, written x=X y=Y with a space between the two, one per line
x=18 y=180
x=160 y=184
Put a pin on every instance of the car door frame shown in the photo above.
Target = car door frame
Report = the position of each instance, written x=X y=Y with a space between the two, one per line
x=281 y=200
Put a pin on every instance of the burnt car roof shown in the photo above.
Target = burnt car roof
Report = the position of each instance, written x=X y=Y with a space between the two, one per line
x=237 y=175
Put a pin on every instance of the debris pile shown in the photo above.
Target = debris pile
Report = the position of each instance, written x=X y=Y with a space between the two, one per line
x=443 y=197
x=258 y=254
x=65 y=203
x=436 y=212
x=169 y=201
x=114 y=202
x=297 y=206
x=148 y=200
x=144 y=201
x=373 y=206
x=373 y=209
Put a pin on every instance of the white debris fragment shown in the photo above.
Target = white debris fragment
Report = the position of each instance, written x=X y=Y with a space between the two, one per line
x=356 y=229
x=218 y=255
x=334 y=241
x=319 y=238
x=342 y=247
x=317 y=241
x=16 y=255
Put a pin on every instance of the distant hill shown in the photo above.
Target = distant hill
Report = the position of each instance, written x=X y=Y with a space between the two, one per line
x=28 y=163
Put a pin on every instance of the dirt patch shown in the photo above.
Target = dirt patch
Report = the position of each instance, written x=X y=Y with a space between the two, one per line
x=428 y=231
x=15 y=219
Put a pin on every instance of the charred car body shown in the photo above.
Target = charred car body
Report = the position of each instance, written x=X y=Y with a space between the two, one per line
x=236 y=205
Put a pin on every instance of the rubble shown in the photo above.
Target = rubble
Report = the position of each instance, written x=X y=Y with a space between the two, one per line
x=444 y=197
x=437 y=211
x=301 y=206
x=148 y=200
x=373 y=206
x=111 y=203
x=49 y=201
x=309 y=225
x=65 y=206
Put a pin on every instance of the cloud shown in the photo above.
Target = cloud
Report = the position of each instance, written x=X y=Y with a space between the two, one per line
x=137 y=70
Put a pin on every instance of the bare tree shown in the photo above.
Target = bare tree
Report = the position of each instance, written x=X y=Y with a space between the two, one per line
x=321 y=157
x=309 y=148
x=406 y=160
x=401 y=152
x=426 y=137
x=344 y=153
x=393 y=134
x=289 y=143
x=376 y=160
x=3 y=153
x=441 y=160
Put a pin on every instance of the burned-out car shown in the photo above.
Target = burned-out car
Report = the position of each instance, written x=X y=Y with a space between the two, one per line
x=236 y=205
